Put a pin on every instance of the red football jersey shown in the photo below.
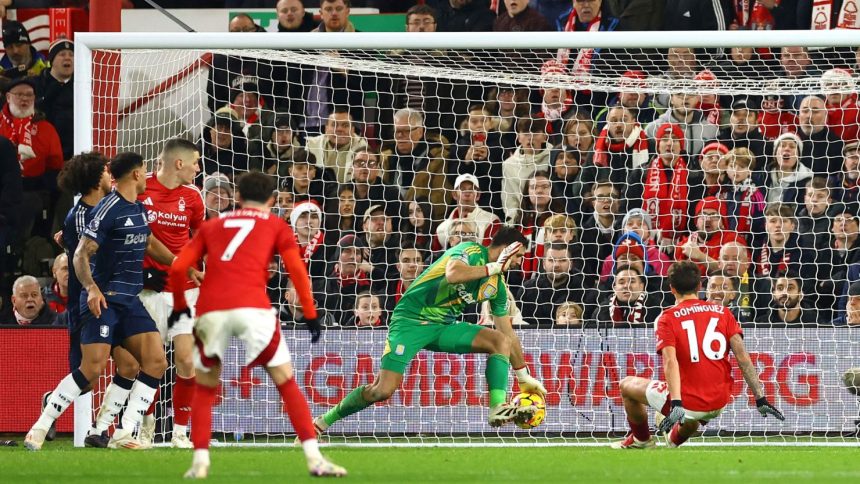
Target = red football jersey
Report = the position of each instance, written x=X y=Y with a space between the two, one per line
x=238 y=247
x=172 y=215
x=700 y=332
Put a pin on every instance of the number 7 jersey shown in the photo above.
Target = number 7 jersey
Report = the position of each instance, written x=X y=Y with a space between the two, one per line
x=700 y=332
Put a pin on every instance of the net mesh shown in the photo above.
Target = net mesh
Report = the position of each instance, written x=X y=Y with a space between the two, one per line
x=601 y=157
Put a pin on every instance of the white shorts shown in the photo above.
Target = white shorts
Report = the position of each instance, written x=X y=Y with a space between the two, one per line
x=657 y=395
x=159 y=305
x=259 y=330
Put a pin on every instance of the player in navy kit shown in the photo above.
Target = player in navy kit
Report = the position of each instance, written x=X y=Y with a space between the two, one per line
x=111 y=314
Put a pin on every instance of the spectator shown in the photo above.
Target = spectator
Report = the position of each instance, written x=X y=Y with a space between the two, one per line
x=10 y=207
x=587 y=16
x=744 y=200
x=335 y=148
x=665 y=194
x=21 y=58
x=708 y=179
x=382 y=243
x=281 y=145
x=410 y=264
x=253 y=114
x=291 y=312
x=40 y=154
x=55 y=94
x=787 y=176
x=743 y=131
x=340 y=219
x=599 y=230
x=28 y=308
x=421 y=18
x=416 y=161
x=686 y=15
x=833 y=262
x=622 y=150
x=480 y=152
x=681 y=64
x=851 y=317
x=813 y=220
x=629 y=305
x=306 y=222
x=556 y=102
x=57 y=294
x=519 y=17
x=843 y=114
x=568 y=315
x=569 y=179
x=284 y=206
x=532 y=154
x=368 y=188
x=560 y=281
x=845 y=182
x=684 y=111
x=579 y=133
x=336 y=292
x=774 y=119
x=461 y=231
x=293 y=18
x=464 y=15
x=223 y=146
x=703 y=245
x=507 y=104
x=639 y=222
x=734 y=262
x=466 y=193
x=723 y=290
x=335 y=16
x=780 y=251
x=558 y=228
x=822 y=148
x=633 y=96
x=788 y=308
x=537 y=207
x=707 y=85
x=367 y=312
x=217 y=195
x=305 y=182
x=418 y=223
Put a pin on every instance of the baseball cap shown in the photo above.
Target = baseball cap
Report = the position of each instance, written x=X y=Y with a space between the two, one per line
x=303 y=208
x=373 y=208
x=466 y=177
x=15 y=33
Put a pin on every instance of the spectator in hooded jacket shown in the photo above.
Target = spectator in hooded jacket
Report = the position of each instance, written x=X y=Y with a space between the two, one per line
x=843 y=113
x=787 y=176
x=570 y=180
x=822 y=147
x=743 y=131
x=684 y=111
x=222 y=145
x=55 y=93
x=639 y=222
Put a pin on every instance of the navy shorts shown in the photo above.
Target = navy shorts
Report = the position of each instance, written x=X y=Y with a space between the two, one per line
x=122 y=319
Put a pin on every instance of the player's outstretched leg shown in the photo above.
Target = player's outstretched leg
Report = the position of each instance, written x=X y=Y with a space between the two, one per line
x=633 y=393
x=300 y=417
x=358 y=399
x=66 y=392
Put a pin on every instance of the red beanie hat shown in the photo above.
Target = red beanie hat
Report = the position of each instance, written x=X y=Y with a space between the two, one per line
x=711 y=203
x=715 y=145
x=676 y=130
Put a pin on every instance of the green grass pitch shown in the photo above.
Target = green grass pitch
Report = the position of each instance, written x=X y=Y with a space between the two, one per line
x=60 y=462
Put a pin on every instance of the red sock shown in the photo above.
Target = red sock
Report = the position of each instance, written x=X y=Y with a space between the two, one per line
x=201 y=413
x=183 y=395
x=675 y=435
x=151 y=409
x=640 y=431
x=297 y=408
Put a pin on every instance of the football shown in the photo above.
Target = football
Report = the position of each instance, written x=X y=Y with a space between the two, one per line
x=525 y=399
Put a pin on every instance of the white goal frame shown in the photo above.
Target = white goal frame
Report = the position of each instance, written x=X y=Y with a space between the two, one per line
x=87 y=42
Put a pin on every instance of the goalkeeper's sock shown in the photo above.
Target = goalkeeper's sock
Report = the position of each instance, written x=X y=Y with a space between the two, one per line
x=115 y=398
x=201 y=414
x=352 y=403
x=675 y=435
x=498 y=367
x=141 y=397
x=640 y=430
x=296 y=407
x=183 y=395
x=66 y=392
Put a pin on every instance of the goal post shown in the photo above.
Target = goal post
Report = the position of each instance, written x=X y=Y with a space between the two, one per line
x=164 y=89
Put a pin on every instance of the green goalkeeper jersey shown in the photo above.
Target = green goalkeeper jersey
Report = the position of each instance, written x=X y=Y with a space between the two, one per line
x=431 y=299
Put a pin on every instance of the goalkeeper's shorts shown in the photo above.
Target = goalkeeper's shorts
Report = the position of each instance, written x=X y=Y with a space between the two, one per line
x=657 y=394
x=160 y=305
x=407 y=338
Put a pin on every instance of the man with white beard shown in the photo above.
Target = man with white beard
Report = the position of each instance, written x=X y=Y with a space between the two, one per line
x=39 y=151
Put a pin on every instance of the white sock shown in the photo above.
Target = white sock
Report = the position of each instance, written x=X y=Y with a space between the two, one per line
x=180 y=430
x=312 y=449
x=201 y=457
x=114 y=400
x=62 y=396
x=138 y=402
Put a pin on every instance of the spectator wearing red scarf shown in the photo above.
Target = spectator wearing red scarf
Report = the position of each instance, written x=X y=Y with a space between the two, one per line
x=337 y=290
x=843 y=114
x=703 y=246
x=306 y=222
x=666 y=187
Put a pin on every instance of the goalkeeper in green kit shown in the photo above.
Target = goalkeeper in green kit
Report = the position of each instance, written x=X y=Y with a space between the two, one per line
x=426 y=318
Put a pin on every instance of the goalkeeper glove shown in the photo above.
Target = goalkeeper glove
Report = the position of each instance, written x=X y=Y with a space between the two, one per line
x=154 y=279
x=676 y=415
x=178 y=316
x=765 y=408
x=527 y=382
x=505 y=259
x=314 y=327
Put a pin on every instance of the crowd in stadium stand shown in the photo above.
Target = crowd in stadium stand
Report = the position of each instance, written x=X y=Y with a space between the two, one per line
x=609 y=187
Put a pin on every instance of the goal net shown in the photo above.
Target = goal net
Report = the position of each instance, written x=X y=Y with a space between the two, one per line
x=615 y=154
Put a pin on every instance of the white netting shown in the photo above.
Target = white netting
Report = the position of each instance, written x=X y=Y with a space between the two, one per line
x=540 y=132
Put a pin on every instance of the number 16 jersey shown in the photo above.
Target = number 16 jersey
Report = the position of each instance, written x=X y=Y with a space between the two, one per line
x=700 y=332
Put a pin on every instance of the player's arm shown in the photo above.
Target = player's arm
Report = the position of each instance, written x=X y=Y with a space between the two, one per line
x=736 y=343
x=81 y=261
x=189 y=254
x=158 y=251
x=459 y=271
